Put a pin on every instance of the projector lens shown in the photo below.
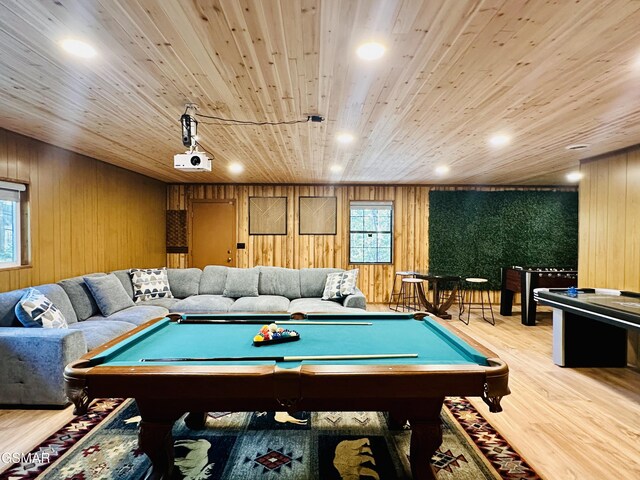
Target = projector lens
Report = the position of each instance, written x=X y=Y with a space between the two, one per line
x=195 y=160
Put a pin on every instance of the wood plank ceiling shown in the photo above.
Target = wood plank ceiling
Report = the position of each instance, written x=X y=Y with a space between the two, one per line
x=548 y=74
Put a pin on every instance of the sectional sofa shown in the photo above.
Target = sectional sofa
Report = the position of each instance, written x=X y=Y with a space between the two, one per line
x=32 y=360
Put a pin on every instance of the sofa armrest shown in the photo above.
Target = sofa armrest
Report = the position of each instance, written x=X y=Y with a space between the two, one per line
x=357 y=300
x=32 y=362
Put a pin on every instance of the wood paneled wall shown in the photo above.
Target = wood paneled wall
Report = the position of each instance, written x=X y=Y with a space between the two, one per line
x=609 y=252
x=410 y=242
x=411 y=206
x=85 y=215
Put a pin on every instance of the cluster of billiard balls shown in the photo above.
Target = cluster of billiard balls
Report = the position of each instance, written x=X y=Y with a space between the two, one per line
x=273 y=331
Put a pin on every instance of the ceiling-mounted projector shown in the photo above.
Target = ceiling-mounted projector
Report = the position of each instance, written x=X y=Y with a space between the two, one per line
x=192 y=161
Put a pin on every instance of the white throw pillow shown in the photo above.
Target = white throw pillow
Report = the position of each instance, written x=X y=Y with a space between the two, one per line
x=340 y=285
x=150 y=283
x=36 y=310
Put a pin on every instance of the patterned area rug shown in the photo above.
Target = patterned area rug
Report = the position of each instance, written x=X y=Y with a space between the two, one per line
x=271 y=445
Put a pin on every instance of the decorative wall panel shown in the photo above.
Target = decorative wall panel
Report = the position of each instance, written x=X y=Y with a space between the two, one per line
x=317 y=215
x=267 y=215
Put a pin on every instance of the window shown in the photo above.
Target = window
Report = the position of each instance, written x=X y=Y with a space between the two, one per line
x=371 y=232
x=10 y=228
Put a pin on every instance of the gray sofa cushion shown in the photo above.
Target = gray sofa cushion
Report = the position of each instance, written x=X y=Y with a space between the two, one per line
x=109 y=294
x=279 y=281
x=213 y=280
x=184 y=282
x=8 y=302
x=263 y=303
x=203 y=304
x=60 y=299
x=313 y=280
x=242 y=282
x=80 y=296
x=125 y=279
x=160 y=302
x=136 y=315
x=100 y=331
x=306 y=305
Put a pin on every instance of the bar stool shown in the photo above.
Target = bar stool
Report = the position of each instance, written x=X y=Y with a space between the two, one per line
x=469 y=285
x=396 y=295
x=409 y=294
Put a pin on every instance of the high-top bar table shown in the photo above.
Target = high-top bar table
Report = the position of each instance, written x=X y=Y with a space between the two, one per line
x=438 y=306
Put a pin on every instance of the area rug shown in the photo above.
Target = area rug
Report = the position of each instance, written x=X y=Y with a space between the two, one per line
x=102 y=445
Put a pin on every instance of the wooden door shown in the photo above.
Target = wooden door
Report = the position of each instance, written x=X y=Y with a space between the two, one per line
x=213 y=233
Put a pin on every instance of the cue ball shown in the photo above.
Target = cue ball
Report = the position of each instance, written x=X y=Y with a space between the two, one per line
x=273 y=327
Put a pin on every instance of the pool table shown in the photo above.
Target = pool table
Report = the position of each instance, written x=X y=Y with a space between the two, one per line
x=198 y=363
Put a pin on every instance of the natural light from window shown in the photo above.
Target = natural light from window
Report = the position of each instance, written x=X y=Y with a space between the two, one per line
x=10 y=246
x=371 y=232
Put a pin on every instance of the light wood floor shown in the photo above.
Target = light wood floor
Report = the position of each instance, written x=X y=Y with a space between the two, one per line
x=568 y=423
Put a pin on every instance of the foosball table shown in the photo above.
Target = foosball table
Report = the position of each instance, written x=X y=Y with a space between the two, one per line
x=524 y=279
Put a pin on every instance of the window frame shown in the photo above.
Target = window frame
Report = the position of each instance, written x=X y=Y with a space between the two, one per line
x=373 y=203
x=19 y=206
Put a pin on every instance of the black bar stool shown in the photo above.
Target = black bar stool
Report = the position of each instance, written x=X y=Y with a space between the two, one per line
x=468 y=286
x=409 y=294
x=397 y=295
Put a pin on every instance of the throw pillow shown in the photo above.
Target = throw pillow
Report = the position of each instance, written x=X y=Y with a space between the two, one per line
x=340 y=285
x=36 y=310
x=150 y=283
x=241 y=282
x=109 y=294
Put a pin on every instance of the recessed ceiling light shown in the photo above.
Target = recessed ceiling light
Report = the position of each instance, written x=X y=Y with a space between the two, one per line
x=442 y=170
x=371 y=51
x=574 y=176
x=499 y=140
x=336 y=168
x=235 y=168
x=78 y=48
x=344 y=137
x=577 y=146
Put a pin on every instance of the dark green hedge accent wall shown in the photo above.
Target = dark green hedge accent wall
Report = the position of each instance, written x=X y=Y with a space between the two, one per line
x=474 y=233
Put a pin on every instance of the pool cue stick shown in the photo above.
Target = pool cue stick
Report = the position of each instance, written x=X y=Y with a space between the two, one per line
x=262 y=322
x=288 y=358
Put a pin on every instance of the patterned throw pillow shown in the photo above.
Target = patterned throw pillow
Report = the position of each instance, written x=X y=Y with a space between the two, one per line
x=150 y=283
x=36 y=310
x=340 y=285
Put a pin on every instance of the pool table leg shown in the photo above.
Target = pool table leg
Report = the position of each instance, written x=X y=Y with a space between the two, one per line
x=426 y=437
x=195 y=420
x=155 y=438
x=156 y=441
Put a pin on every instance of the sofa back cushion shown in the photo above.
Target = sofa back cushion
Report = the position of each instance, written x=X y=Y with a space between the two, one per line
x=213 y=280
x=60 y=299
x=125 y=279
x=83 y=302
x=313 y=280
x=184 y=282
x=279 y=281
x=109 y=294
x=8 y=302
x=242 y=282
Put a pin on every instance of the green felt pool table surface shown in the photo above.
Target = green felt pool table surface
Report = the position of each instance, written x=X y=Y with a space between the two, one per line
x=386 y=334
